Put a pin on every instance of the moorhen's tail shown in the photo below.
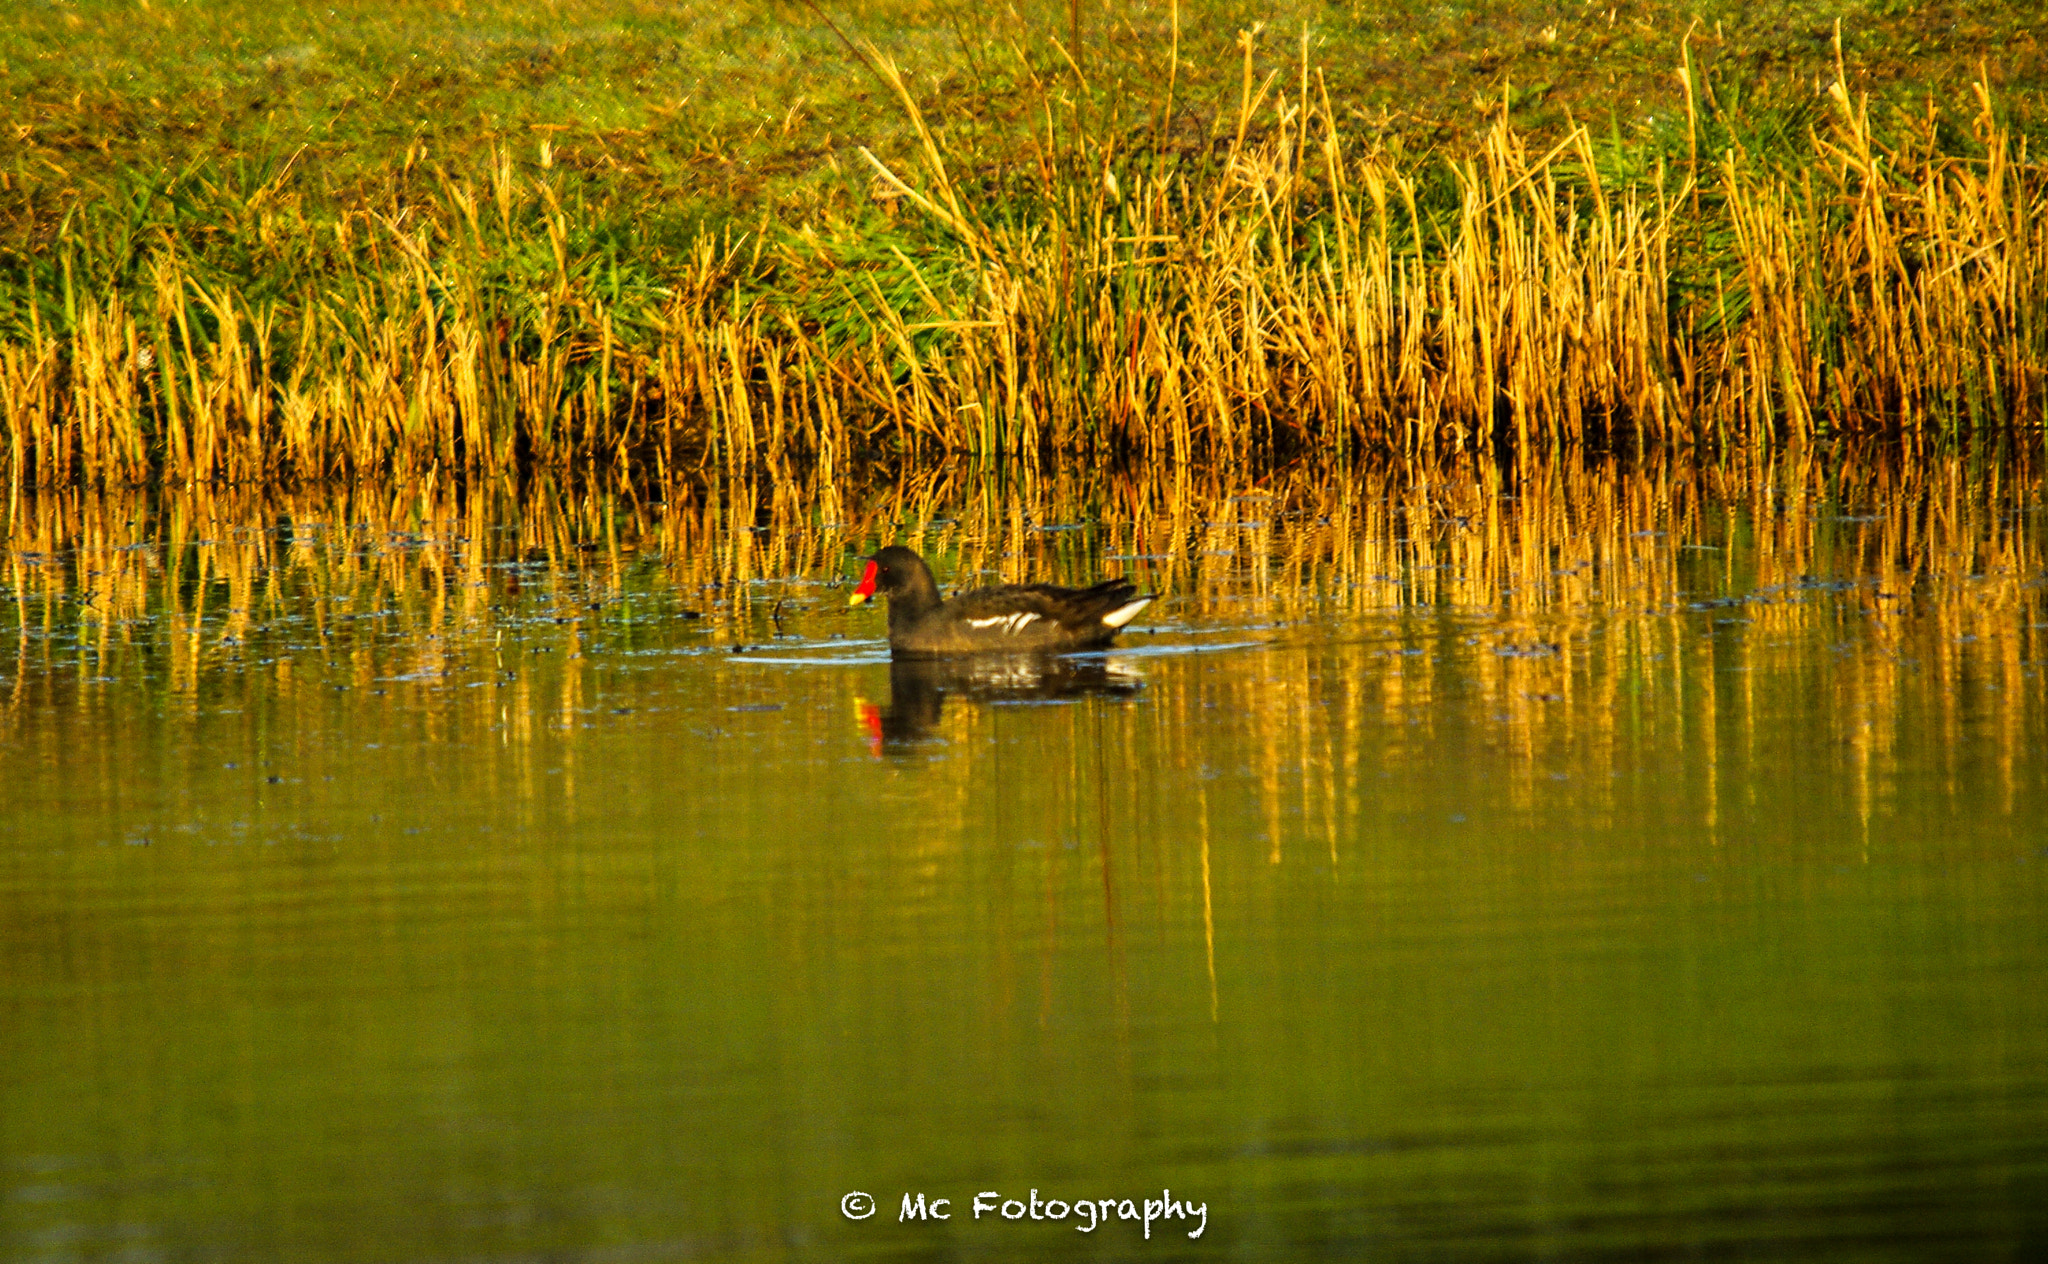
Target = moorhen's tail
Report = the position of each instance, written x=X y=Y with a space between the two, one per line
x=1111 y=603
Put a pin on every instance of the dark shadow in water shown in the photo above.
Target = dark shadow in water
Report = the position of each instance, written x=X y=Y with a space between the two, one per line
x=918 y=689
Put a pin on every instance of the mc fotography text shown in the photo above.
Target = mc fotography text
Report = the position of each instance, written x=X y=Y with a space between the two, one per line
x=1085 y=1213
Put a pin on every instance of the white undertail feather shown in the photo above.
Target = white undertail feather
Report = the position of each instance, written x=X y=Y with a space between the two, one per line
x=1125 y=613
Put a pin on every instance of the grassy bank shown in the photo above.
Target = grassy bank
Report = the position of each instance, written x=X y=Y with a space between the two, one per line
x=416 y=236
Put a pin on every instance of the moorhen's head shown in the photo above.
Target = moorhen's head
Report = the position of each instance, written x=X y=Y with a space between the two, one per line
x=894 y=572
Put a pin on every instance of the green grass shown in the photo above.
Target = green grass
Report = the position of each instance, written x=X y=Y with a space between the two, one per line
x=692 y=87
x=695 y=113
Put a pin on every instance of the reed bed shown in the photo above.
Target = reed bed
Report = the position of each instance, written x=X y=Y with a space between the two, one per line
x=1288 y=288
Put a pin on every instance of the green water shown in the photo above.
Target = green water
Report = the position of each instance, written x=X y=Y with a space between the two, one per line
x=426 y=896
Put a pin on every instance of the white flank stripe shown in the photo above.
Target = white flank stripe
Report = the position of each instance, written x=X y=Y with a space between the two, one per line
x=1125 y=613
x=1012 y=623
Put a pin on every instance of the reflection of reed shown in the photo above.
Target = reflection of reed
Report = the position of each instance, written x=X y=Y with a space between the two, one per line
x=1594 y=606
x=1558 y=538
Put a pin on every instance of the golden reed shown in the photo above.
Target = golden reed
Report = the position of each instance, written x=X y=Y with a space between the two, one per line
x=1297 y=293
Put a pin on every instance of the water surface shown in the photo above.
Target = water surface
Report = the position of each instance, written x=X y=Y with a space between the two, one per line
x=1455 y=863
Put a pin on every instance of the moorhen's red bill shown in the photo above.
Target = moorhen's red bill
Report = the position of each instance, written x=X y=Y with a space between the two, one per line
x=1012 y=619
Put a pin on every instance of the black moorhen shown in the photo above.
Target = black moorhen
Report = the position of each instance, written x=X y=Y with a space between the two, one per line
x=1012 y=619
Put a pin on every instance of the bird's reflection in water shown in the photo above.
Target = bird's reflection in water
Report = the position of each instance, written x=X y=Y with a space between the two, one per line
x=918 y=690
